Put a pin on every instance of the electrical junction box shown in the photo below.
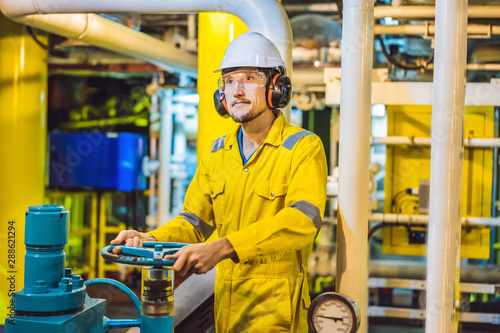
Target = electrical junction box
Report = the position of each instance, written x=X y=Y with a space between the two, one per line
x=409 y=167
x=97 y=160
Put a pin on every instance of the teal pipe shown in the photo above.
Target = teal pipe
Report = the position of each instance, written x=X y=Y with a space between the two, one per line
x=120 y=323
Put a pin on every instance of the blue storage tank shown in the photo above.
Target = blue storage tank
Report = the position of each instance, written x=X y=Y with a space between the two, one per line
x=97 y=160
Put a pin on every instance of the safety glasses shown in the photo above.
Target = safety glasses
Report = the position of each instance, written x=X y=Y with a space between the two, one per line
x=244 y=79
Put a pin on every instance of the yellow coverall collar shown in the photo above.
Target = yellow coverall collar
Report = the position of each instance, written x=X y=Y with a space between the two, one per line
x=274 y=137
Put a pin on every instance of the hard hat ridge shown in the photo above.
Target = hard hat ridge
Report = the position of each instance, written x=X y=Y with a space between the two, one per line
x=251 y=49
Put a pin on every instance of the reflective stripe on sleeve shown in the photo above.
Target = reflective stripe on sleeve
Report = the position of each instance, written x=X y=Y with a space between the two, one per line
x=201 y=226
x=310 y=211
x=218 y=144
x=294 y=138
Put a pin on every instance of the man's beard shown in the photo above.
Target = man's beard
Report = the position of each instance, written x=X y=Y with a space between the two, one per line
x=247 y=117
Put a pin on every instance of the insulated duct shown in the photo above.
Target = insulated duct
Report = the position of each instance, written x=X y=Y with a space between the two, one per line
x=264 y=16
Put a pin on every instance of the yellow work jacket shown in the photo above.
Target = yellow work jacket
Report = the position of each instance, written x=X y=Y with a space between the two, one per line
x=270 y=210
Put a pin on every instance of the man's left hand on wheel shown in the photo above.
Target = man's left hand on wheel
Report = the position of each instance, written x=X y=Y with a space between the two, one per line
x=200 y=258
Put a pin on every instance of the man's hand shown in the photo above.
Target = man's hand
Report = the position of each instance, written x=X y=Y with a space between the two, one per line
x=131 y=238
x=200 y=258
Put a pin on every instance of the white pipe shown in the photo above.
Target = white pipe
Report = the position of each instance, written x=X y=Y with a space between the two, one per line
x=315 y=7
x=428 y=12
x=484 y=143
x=152 y=216
x=448 y=113
x=416 y=141
x=406 y=269
x=400 y=218
x=165 y=156
x=191 y=27
x=354 y=153
x=307 y=77
x=401 y=140
x=422 y=29
x=265 y=16
x=483 y=67
x=106 y=34
x=424 y=219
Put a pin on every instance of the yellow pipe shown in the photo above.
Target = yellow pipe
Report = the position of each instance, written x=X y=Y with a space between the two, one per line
x=23 y=112
x=215 y=32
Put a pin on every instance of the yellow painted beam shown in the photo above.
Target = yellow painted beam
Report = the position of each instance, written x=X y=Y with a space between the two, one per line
x=23 y=112
x=215 y=32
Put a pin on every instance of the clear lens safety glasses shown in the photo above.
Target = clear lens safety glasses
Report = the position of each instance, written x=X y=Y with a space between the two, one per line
x=246 y=80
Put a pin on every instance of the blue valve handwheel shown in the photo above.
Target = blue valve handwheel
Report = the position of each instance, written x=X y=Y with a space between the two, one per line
x=151 y=254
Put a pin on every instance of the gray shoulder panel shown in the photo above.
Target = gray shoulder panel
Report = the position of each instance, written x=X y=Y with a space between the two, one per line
x=294 y=138
x=218 y=144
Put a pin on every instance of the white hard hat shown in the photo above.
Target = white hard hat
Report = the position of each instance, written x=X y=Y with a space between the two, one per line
x=251 y=49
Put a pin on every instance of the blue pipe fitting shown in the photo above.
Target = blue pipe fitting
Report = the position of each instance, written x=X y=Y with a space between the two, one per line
x=49 y=288
x=46 y=234
x=46 y=225
x=53 y=298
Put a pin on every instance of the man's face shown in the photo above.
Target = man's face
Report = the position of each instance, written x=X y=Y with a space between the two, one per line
x=245 y=90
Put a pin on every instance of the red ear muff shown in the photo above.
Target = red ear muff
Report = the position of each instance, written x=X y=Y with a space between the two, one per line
x=220 y=104
x=279 y=92
x=270 y=92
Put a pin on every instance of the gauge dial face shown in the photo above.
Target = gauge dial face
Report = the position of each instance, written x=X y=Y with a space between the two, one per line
x=333 y=313
x=333 y=316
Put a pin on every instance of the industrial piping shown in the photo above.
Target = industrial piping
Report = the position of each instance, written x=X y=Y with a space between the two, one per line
x=416 y=270
x=101 y=32
x=421 y=141
x=165 y=154
x=448 y=113
x=428 y=12
x=424 y=219
x=354 y=153
x=264 y=16
x=484 y=30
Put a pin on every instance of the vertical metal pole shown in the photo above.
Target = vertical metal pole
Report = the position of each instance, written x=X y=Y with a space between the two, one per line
x=154 y=114
x=354 y=152
x=448 y=113
x=165 y=155
x=494 y=190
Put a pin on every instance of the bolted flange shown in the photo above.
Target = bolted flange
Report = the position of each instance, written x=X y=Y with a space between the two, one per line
x=77 y=281
x=65 y=285
x=40 y=287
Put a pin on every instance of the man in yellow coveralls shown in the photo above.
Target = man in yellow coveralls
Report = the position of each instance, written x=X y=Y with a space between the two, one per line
x=263 y=189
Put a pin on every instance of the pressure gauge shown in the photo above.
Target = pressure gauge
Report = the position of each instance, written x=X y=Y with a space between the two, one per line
x=333 y=313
